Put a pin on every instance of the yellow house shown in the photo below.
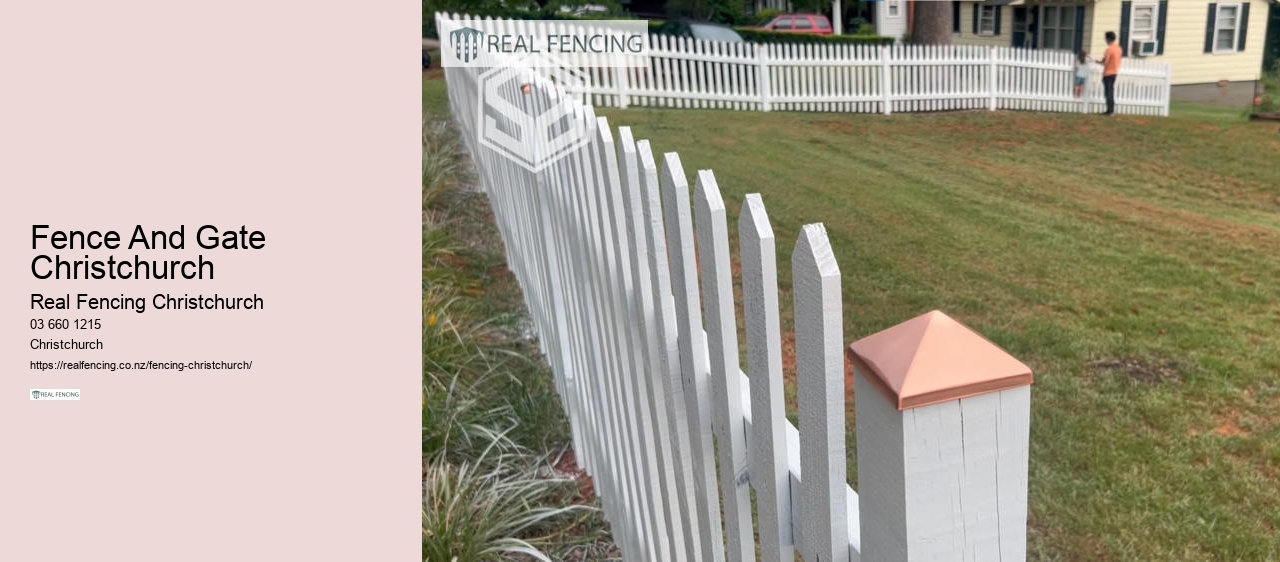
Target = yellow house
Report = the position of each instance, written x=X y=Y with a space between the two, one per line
x=1214 y=48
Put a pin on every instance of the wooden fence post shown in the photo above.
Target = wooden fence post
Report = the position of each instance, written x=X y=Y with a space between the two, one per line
x=621 y=79
x=943 y=418
x=1168 y=88
x=886 y=91
x=762 y=75
x=991 y=77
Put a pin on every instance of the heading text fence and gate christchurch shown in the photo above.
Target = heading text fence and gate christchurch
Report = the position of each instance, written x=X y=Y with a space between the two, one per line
x=626 y=271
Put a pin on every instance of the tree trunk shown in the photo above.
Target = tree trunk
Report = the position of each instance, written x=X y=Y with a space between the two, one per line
x=932 y=23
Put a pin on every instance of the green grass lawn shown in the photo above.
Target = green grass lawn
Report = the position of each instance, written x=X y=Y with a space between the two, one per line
x=1133 y=263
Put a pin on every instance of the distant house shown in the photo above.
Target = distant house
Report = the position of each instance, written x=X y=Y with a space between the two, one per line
x=1214 y=48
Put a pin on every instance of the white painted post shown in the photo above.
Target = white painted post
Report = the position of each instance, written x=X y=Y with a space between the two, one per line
x=769 y=473
x=943 y=419
x=820 y=389
x=693 y=350
x=885 y=89
x=621 y=78
x=1168 y=88
x=991 y=78
x=722 y=348
x=762 y=75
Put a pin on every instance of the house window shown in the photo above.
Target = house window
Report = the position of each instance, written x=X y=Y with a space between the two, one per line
x=1142 y=23
x=893 y=7
x=1226 y=28
x=1058 y=29
x=987 y=20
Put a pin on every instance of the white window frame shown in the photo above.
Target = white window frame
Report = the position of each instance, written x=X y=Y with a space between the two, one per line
x=985 y=16
x=1217 y=28
x=1067 y=14
x=1155 y=20
x=894 y=8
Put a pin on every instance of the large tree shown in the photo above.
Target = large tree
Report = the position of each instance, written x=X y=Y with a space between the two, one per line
x=932 y=23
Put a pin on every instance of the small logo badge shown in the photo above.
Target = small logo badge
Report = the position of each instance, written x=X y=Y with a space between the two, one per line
x=466 y=42
x=46 y=394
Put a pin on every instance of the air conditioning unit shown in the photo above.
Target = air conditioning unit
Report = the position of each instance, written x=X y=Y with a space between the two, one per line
x=1143 y=48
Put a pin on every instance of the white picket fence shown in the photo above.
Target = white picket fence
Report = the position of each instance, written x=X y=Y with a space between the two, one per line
x=626 y=272
x=691 y=73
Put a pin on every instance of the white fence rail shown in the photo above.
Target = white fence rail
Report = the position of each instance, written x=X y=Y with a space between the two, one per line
x=690 y=73
x=627 y=274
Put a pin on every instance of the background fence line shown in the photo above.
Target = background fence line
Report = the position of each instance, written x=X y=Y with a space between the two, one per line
x=683 y=72
x=627 y=275
x=689 y=73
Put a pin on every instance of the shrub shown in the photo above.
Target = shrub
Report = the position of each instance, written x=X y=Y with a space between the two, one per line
x=728 y=12
x=761 y=36
x=764 y=16
x=490 y=509
x=613 y=10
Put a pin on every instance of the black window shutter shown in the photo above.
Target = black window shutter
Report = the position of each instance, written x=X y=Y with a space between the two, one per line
x=1125 y=9
x=976 y=13
x=1164 y=8
x=1208 y=28
x=1035 y=37
x=1243 y=23
x=1000 y=10
x=955 y=17
x=1079 y=28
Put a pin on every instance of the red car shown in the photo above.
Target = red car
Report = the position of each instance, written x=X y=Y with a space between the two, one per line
x=816 y=24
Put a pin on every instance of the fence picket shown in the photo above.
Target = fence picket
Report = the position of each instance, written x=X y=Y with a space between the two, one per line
x=626 y=322
x=769 y=473
x=668 y=527
x=600 y=344
x=605 y=272
x=820 y=388
x=674 y=392
x=722 y=347
x=693 y=349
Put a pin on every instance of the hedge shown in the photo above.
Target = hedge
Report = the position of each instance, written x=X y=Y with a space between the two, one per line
x=762 y=36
